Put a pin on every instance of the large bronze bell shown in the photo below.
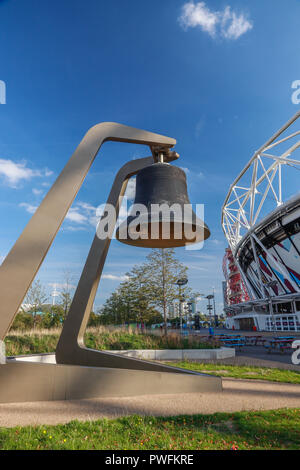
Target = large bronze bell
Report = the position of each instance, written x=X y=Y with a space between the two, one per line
x=162 y=215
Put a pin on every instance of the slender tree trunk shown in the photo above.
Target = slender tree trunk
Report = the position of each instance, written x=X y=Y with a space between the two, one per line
x=34 y=319
x=164 y=292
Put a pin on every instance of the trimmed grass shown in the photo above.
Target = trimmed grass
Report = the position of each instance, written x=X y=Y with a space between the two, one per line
x=276 y=429
x=242 y=372
x=45 y=341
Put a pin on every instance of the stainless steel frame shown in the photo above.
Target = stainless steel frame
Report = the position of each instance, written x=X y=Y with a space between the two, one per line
x=103 y=374
x=26 y=256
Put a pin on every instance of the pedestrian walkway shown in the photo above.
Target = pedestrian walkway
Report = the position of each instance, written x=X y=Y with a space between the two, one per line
x=238 y=395
x=257 y=356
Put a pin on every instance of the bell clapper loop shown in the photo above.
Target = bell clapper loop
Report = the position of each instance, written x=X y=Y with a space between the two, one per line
x=161 y=157
x=163 y=154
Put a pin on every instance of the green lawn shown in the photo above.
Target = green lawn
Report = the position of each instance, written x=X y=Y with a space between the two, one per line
x=279 y=429
x=242 y=372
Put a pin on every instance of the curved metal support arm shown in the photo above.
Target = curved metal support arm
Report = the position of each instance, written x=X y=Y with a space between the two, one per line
x=71 y=348
x=26 y=256
x=71 y=341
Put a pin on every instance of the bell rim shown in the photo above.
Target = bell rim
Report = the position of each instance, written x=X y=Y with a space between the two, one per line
x=149 y=242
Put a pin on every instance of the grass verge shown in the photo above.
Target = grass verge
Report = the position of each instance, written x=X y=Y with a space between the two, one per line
x=242 y=372
x=101 y=338
x=276 y=429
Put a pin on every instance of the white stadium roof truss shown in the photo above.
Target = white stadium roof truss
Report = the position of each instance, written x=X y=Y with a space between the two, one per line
x=249 y=196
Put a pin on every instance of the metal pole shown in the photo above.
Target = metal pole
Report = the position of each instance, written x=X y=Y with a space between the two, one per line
x=180 y=309
x=214 y=303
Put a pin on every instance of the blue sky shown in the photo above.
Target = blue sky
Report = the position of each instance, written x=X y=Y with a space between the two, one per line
x=215 y=75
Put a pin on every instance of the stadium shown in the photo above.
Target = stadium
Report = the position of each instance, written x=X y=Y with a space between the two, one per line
x=261 y=222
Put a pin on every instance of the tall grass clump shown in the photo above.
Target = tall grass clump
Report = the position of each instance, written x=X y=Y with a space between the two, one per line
x=38 y=341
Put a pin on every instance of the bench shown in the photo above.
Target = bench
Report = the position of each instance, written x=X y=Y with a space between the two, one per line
x=280 y=344
x=238 y=342
x=239 y=345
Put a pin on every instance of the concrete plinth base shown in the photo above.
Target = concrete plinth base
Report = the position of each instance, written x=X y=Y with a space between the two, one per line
x=22 y=381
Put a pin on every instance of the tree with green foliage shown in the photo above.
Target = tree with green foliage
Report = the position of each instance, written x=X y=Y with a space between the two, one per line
x=147 y=291
x=128 y=304
x=113 y=310
x=94 y=320
x=136 y=293
x=65 y=297
x=35 y=298
x=22 y=321
x=162 y=271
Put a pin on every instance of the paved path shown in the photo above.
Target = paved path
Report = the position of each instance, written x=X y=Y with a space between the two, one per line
x=257 y=356
x=237 y=395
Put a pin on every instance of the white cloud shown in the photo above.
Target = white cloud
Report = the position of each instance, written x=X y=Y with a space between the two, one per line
x=74 y=215
x=130 y=190
x=74 y=228
x=199 y=15
x=57 y=285
x=28 y=207
x=81 y=213
x=36 y=191
x=215 y=241
x=13 y=173
x=48 y=172
x=234 y=26
x=227 y=23
x=86 y=206
x=113 y=277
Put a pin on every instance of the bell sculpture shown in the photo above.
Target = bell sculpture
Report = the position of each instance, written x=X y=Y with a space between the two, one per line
x=162 y=215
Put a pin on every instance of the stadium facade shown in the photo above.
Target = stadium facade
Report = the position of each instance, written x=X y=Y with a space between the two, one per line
x=261 y=221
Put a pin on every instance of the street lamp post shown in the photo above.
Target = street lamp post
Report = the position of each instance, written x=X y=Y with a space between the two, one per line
x=180 y=283
x=197 y=298
x=209 y=307
x=214 y=303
